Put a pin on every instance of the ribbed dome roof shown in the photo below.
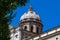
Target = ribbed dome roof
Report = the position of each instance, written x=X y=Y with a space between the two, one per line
x=30 y=14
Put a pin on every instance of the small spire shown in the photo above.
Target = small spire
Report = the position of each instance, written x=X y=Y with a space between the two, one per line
x=30 y=8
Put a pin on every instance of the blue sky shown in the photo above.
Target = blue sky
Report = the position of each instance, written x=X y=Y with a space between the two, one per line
x=49 y=11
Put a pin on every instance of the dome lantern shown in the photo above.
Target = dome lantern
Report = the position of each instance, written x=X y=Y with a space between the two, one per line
x=30 y=8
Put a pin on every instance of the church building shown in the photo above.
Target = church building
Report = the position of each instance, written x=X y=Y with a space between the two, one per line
x=30 y=28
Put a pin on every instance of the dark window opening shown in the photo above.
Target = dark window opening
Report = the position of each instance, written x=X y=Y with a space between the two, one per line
x=16 y=36
x=31 y=28
x=37 y=30
x=56 y=38
x=25 y=28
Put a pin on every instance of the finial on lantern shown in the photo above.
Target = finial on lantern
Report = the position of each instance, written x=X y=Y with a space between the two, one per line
x=30 y=8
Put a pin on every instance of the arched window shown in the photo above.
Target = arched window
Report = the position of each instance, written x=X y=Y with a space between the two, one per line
x=31 y=28
x=25 y=28
x=37 y=30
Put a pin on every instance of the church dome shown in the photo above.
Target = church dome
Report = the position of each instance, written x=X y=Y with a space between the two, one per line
x=30 y=14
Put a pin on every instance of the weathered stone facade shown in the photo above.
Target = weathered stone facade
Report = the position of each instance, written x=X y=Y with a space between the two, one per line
x=30 y=28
